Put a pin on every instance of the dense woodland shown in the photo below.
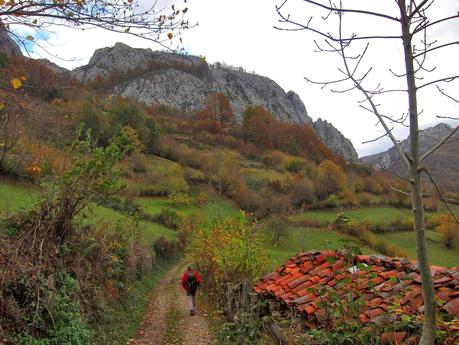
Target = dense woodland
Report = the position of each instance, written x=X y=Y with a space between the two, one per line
x=152 y=177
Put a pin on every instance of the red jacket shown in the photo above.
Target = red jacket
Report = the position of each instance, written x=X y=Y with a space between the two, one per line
x=185 y=277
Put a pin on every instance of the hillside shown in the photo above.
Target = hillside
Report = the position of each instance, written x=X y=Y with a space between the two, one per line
x=108 y=194
x=183 y=82
x=442 y=164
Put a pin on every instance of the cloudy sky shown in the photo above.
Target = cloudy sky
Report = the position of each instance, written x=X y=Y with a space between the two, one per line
x=242 y=33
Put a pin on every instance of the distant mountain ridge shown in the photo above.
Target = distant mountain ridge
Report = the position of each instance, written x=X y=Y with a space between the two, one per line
x=443 y=164
x=183 y=82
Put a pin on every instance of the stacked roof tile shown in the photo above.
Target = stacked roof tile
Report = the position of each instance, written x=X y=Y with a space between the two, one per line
x=382 y=281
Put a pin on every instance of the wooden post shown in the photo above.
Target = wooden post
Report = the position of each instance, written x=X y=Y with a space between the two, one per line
x=229 y=303
x=274 y=331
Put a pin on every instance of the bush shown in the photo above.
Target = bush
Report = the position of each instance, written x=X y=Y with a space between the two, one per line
x=296 y=165
x=389 y=249
x=164 y=248
x=449 y=231
x=246 y=330
x=226 y=252
x=169 y=218
x=330 y=202
x=302 y=193
x=162 y=181
x=68 y=327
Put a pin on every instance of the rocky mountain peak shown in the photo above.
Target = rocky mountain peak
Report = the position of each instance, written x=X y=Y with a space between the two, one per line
x=184 y=81
x=442 y=164
x=335 y=140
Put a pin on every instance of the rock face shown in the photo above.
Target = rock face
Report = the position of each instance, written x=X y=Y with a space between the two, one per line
x=335 y=140
x=183 y=82
x=7 y=45
x=443 y=164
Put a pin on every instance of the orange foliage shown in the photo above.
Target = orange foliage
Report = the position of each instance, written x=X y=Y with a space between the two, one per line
x=330 y=179
x=257 y=127
x=261 y=129
x=46 y=159
x=216 y=114
x=35 y=76
x=449 y=230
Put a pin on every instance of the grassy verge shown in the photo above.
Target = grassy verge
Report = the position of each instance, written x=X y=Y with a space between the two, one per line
x=121 y=320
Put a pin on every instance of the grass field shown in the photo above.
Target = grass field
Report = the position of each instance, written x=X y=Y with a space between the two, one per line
x=382 y=215
x=14 y=197
x=438 y=253
x=304 y=239
x=213 y=209
x=148 y=231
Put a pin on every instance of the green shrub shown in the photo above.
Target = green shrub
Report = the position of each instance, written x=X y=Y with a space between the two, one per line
x=389 y=249
x=169 y=218
x=179 y=199
x=226 y=252
x=68 y=327
x=246 y=330
x=330 y=202
x=296 y=165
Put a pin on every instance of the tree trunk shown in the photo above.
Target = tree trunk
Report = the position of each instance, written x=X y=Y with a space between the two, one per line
x=428 y=329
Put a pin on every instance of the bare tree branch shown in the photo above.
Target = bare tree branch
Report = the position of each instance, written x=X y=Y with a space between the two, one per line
x=445 y=94
x=425 y=52
x=446 y=80
x=395 y=174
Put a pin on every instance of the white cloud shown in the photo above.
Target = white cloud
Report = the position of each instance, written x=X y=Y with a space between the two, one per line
x=241 y=33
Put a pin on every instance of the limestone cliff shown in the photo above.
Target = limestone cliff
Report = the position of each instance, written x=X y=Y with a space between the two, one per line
x=183 y=82
x=335 y=140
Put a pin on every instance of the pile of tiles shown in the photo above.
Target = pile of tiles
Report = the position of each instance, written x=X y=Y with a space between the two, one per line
x=385 y=284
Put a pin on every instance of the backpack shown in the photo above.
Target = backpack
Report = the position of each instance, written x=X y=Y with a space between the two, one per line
x=191 y=282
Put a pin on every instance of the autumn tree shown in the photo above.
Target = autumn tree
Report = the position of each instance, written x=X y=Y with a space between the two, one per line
x=412 y=24
x=330 y=179
x=257 y=126
x=132 y=17
x=449 y=231
x=216 y=114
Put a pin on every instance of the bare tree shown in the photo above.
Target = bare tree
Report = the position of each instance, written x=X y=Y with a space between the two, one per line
x=410 y=23
x=144 y=19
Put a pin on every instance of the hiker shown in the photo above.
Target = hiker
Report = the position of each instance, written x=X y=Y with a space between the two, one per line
x=190 y=282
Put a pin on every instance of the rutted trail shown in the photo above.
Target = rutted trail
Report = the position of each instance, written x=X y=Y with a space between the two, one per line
x=167 y=321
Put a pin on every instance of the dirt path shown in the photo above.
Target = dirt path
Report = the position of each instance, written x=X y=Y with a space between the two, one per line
x=167 y=321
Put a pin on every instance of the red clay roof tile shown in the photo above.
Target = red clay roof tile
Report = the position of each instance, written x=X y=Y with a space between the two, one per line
x=294 y=284
x=452 y=306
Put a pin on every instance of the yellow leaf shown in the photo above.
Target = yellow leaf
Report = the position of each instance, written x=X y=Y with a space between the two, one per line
x=23 y=78
x=169 y=35
x=16 y=83
x=1 y=104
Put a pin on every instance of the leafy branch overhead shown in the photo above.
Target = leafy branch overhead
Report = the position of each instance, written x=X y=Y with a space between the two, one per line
x=142 y=19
